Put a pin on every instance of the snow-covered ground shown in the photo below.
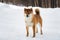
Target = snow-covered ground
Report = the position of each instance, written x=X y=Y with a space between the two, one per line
x=12 y=24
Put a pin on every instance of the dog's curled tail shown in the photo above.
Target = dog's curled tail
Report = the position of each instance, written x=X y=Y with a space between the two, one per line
x=37 y=11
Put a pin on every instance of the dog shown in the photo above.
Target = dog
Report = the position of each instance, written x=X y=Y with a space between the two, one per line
x=32 y=19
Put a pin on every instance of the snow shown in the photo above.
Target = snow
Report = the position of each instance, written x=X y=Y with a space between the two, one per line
x=12 y=24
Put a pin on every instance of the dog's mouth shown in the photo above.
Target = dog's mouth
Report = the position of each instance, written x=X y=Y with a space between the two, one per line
x=27 y=15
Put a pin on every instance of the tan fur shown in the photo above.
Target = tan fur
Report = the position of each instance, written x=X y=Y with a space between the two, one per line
x=36 y=18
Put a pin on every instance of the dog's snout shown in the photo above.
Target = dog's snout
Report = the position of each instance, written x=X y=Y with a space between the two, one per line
x=27 y=16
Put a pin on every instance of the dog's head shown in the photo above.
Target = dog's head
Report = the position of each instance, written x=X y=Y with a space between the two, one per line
x=28 y=12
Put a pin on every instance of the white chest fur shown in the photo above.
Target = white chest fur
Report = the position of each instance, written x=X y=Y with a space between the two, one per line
x=28 y=21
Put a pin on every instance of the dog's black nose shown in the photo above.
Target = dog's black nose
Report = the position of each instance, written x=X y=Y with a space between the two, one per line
x=27 y=16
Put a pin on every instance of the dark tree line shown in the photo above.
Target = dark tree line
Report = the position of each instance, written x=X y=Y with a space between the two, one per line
x=39 y=3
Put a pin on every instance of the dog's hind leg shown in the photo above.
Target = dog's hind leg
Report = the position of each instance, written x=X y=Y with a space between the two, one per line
x=41 y=29
x=41 y=26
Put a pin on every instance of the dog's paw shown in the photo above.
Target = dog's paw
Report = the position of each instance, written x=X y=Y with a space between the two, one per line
x=27 y=35
x=41 y=33
x=33 y=36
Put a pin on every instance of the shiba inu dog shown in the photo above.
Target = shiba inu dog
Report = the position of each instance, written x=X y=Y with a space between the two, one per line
x=32 y=19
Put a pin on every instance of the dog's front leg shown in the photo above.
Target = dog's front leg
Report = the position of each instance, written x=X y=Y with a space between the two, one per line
x=27 y=31
x=33 y=30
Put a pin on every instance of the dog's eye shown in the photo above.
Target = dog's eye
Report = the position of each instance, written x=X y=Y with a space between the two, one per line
x=25 y=11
